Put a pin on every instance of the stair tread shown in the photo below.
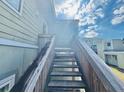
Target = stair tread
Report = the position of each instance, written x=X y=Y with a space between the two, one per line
x=64 y=66
x=64 y=63
x=64 y=56
x=65 y=52
x=66 y=84
x=66 y=60
x=63 y=49
x=65 y=73
x=66 y=90
x=62 y=60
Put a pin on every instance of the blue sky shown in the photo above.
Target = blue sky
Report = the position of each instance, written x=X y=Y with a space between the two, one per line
x=97 y=18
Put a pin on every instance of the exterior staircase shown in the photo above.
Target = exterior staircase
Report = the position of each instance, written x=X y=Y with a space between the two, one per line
x=65 y=75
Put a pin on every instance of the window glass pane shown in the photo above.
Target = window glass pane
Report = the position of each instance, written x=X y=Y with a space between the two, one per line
x=5 y=88
x=14 y=3
x=108 y=44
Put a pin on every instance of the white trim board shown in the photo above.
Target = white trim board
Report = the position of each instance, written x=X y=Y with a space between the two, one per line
x=114 y=52
x=8 y=81
x=12 y=8
x=7 y=42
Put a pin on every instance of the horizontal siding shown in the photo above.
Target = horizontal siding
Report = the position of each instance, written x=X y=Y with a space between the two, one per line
x=16 y=21
x=30 y=14
x=23 y=28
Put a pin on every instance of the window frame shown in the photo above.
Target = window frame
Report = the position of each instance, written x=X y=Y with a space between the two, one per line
x=108 y=44
x=19 y=12
x=10 y=81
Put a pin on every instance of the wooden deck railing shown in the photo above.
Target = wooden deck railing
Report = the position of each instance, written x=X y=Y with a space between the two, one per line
x=38 y=80
x=98 y=75
x=34 y=78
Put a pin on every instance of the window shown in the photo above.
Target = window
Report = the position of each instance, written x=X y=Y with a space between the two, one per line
x=7 y=83
x=114 y=57
x=5 y=88
x=14 y=4
x=123 y=41
x=108 y=44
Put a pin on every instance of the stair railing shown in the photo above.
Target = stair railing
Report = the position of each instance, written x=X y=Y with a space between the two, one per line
x=35 y=76
x=97 y=74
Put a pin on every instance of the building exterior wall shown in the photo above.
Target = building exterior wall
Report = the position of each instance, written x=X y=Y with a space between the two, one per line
x=99 y=43
x=111 y=59
x=120 y=59
x=118 y=44
x=46 y=9
x=115 y=44
x=115 y=49
x=23 y=28
x=106 y=47
x=100 y=48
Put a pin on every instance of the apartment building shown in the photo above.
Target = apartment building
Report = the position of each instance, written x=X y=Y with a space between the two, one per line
x=97 y=45
x=114 y=53
x=111 y=51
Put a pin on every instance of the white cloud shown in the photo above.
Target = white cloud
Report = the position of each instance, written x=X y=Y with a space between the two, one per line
x=82 y=32
x=118 y=19
x=93 y=27
x=90 y=6
x=99 y=12
x=91 y=20
x=90 y=12
x=118 y=15
x=87 y=13
x=83 y=21
x=68 y=8
x=119 y=1
x=119 y=11
x=87 y=20
x=90 y=34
